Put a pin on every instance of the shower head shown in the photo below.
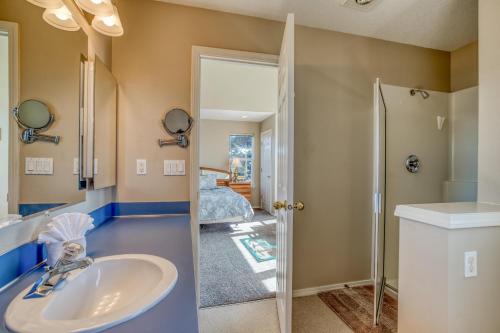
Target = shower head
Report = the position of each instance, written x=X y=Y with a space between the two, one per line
x=422 y=93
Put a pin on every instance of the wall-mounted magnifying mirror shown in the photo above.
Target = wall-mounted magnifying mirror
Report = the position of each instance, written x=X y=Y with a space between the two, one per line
x=34 y=116
x=178 y=123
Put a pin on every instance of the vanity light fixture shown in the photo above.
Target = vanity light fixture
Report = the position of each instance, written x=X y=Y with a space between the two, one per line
x=106 y=19
x=109 y=25
x=47 y=4
x=96 y=7
x=60 y=18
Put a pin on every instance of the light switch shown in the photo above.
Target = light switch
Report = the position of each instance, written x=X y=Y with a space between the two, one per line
x=30 y=165
x=167 y=168
x=96 y=166
x=76 y=166
x=141 y=167
x=181 y=168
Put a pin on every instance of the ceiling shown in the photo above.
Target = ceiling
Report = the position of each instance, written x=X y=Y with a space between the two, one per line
x=237 y=91
x=438 y=24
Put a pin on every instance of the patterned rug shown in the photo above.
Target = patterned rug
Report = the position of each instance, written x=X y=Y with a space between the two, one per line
x=355 y=307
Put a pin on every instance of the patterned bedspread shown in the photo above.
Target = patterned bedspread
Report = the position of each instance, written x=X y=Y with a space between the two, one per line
x=222 y=203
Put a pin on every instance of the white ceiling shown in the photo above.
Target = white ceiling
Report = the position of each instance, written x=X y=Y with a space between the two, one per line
x=438 y=24
x=237 y=91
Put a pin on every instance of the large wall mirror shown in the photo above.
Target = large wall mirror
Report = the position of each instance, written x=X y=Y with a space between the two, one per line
x=39 y=156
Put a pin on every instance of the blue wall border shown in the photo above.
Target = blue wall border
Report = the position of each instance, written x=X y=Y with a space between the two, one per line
x=23 y=258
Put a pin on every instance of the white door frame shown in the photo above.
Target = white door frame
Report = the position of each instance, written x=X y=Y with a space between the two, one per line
x=198 y=53
x=12 y=30
x=271 y=132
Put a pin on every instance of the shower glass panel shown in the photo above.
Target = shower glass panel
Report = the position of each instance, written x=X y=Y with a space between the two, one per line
x=379 y=177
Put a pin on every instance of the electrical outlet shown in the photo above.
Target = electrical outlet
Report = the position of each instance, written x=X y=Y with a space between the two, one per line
x=470 y=264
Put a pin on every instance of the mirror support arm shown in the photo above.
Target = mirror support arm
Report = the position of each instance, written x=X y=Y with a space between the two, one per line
x=181 y=141
x=30 y=135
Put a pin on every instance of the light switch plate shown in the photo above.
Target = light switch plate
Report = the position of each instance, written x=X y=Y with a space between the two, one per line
x=96 y=166
x=76 y=166
x=174 y=168
x=470 y=264
x=142 y=167
x=39 y=166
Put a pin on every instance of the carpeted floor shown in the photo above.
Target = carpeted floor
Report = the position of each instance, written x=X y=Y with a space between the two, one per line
x=355 y=307
x=229 y=272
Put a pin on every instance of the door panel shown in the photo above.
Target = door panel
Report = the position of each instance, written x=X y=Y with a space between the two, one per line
x=284 y=228
x=266 y=171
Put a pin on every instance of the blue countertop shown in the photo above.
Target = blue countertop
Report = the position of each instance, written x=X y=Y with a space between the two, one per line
x=168 y=237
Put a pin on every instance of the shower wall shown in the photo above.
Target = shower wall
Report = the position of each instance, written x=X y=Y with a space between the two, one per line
x=448 y=157
x=411 y=129
x=463 y=123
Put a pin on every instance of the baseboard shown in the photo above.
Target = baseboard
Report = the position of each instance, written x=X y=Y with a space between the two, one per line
x=319 y=289
x=391 y=292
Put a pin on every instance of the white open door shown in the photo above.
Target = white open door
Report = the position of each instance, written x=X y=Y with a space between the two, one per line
x=285 y=204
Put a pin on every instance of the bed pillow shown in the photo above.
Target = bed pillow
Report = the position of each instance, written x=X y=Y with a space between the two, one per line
x=208 y=182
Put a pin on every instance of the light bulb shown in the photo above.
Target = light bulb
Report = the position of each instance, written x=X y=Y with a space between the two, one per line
x=97 y=2
x=62 y=13
x=109 y=20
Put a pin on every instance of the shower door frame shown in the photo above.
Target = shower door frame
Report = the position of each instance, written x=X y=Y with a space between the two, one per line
x=379 y=187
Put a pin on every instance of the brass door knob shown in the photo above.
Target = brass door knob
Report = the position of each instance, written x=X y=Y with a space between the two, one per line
x=279 y=205
x=298 y=205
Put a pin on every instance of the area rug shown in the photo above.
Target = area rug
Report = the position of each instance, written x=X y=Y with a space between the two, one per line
x=355 y=307
x=234 y=264
x=259 y=248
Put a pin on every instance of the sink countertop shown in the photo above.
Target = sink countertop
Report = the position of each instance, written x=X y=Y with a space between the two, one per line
x=454 y=215
x=167 y=237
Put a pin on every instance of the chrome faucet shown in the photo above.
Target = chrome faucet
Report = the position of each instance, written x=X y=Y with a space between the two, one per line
x=55 y=276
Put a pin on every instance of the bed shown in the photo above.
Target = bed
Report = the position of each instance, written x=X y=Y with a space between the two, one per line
x=218 y=203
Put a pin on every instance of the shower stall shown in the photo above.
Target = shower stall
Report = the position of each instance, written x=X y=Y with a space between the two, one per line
x=425 y=145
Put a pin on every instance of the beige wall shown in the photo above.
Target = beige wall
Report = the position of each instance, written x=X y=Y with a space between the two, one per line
x=334 y=77
x=50 y=72
x=152 y=63
x=214 y=147
x=464 y=67
x=489 y=100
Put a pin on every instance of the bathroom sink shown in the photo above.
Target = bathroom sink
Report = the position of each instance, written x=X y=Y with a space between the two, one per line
x=112 y=290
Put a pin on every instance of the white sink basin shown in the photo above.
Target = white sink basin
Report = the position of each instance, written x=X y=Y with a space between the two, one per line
x=113 y=290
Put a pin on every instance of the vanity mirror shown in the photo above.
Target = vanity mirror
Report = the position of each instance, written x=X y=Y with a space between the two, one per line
x=177 y=123
x=34 y=117
x=41 y=67
x=105 y=95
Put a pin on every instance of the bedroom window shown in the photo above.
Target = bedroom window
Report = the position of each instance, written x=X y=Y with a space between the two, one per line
x=241 y=156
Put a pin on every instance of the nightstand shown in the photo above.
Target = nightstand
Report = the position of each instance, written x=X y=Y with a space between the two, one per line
x=245 y=189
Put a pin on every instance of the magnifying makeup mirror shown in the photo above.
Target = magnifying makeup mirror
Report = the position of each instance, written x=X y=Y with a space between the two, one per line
x=178 y=123
x=34 y=117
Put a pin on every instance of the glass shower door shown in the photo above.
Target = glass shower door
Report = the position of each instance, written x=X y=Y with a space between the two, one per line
x=378 y=199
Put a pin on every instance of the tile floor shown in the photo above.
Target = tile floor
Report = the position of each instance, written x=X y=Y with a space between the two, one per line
x=310 y=315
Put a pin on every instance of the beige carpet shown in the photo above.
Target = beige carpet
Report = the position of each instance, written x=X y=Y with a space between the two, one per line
x=310 y=315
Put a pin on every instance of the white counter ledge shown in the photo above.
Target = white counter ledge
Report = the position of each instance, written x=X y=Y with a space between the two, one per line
x=459 y=215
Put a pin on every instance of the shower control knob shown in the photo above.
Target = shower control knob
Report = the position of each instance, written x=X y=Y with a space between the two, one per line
x=412 y=164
